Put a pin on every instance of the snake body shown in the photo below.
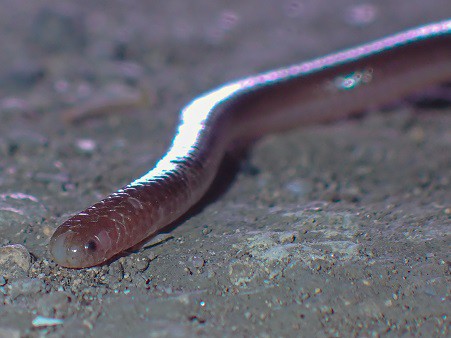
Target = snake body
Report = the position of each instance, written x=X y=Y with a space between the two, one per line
x=322 y=90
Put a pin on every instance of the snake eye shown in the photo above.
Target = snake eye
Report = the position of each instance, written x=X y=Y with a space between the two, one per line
x=91 y=246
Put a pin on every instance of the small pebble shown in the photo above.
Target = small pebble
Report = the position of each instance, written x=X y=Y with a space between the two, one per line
x=41 y=321
x=287 y=238
x=206 y=230
x=197 y=262
x=15 y=261
x=86 y=146
x=325 y=309
x=142 y=263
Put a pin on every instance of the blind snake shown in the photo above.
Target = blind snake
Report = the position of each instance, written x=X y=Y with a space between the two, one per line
x=324 y=89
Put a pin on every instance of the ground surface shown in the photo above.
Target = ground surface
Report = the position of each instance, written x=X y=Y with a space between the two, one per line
x=336 y=230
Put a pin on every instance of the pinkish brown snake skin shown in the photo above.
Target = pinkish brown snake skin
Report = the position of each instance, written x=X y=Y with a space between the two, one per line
x=324 y=89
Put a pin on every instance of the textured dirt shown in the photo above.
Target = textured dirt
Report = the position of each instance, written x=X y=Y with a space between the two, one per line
x=338 y=230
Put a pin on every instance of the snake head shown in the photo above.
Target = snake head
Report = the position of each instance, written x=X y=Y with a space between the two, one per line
x=78 y=245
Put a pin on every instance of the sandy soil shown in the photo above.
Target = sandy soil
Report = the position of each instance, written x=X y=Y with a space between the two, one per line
x=339 y=230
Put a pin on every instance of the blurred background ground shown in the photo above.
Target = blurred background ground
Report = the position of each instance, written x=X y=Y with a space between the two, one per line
x=337 y=230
